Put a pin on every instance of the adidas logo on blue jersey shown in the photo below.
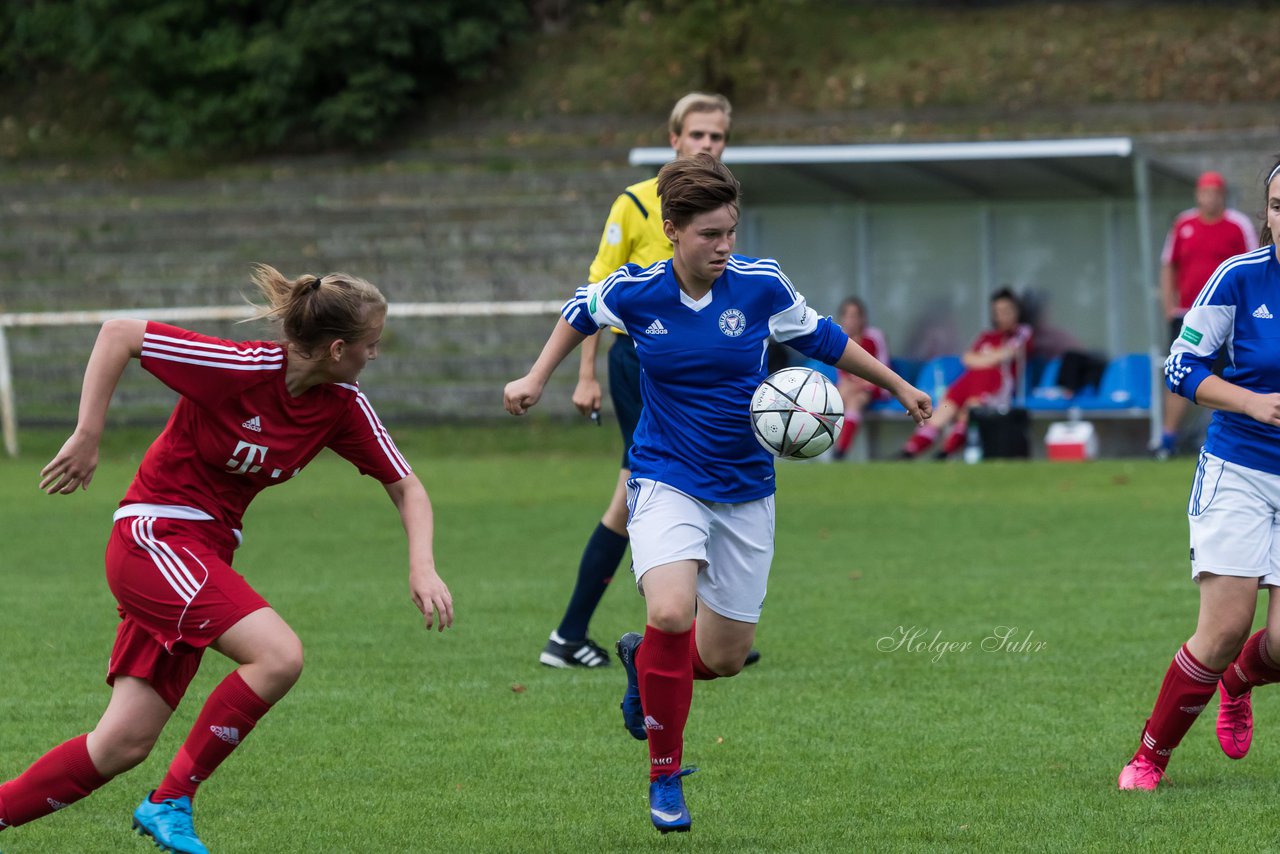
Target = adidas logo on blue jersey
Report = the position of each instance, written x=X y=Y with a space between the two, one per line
x=656 y=328
x=1262 y=313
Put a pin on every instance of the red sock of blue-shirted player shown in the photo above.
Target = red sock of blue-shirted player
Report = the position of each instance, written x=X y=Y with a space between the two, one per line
x=228 y=716
x=665 y=672
x=1187 y=687
x=1252 y=667
x=700 y=670
x=61 y=777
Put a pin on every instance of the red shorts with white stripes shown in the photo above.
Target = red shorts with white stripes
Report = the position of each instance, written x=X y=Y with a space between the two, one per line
x=176 y=593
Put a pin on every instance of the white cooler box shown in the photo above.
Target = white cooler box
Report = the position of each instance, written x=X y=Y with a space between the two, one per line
x=1071 y=440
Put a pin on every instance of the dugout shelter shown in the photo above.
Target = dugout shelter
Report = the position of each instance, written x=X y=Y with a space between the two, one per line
x=925 y=232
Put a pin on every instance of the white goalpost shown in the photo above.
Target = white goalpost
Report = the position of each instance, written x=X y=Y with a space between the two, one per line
x=8 y=404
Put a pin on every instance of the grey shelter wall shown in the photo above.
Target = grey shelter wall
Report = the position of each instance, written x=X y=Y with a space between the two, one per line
x=926 y=270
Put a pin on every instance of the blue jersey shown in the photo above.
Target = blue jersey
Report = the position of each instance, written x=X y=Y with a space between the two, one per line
x=1231 y=314
x=700 y=362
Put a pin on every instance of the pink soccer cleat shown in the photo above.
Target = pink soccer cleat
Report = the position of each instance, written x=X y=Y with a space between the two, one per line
x=1141 y=773
x=1235 y=723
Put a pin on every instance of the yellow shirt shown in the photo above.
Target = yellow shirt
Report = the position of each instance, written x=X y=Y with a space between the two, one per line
x=632 y=233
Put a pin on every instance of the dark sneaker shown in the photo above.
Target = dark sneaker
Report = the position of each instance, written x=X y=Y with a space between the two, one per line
x=562 y=653
x=632 y=712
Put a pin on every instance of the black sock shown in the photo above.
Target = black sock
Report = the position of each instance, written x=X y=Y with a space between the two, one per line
x=600 y=561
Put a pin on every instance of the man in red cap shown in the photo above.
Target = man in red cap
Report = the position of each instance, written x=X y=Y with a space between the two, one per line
x=1201 y=238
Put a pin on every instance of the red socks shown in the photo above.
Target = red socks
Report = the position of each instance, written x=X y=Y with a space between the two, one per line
x=920 y=440
x=1186 y=689
x=852 y=420
x=61 y=777
x=1252 y=667
x=955 y=439
x=665 y=669
x=227 y=718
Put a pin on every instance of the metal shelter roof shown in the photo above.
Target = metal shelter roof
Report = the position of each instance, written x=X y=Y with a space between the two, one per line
x=949 y=171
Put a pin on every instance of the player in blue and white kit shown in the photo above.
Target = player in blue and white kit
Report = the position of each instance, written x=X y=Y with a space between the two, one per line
x=1234 y=509
x=700 y=498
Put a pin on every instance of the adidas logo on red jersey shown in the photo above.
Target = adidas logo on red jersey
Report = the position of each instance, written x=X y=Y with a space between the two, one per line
x=229 y=734
x=254 y=424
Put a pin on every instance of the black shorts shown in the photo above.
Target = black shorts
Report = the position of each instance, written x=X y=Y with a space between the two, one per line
x=624 y=390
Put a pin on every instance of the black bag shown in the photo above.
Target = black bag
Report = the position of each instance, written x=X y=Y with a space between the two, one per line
x=1080 y=370
x=1005 y=433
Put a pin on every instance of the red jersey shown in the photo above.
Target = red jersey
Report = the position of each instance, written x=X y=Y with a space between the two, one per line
x=236 y=429
x=1019 y=337
x=1195 y=248
x=873 y=342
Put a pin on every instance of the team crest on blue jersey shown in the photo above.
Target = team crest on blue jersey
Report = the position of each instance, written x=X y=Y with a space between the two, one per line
x=733 y=322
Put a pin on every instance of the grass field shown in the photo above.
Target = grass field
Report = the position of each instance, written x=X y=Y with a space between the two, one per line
x=399 y=741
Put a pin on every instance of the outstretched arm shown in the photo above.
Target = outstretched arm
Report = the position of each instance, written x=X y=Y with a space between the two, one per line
x=73 y=466
x=856 y=360
x=425 y=586
x=521 y=394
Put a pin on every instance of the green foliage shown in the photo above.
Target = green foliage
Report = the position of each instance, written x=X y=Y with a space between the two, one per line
x=248 y=75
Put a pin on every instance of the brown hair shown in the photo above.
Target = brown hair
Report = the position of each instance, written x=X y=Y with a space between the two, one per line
x=314 y=311
x=699 y=102
x=852 y=302
x=689 y=186
x=1265 y=237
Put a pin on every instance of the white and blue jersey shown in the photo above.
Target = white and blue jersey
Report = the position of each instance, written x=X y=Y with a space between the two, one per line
x=1232 y=314
x=700 y=362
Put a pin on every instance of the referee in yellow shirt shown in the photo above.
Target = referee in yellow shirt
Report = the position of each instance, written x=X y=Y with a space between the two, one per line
x=632 y=234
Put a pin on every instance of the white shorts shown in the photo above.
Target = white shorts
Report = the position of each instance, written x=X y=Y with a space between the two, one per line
x=1234 y=516
x=733 y=544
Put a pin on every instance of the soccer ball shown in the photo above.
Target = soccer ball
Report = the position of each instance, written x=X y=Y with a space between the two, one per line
x=796 y=413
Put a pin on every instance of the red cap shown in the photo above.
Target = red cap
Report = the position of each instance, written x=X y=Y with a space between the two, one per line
x=1211 y=179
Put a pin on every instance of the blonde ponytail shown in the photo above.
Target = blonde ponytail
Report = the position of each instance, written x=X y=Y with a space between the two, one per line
x=313 y=311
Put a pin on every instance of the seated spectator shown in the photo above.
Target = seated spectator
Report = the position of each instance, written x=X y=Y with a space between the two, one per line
x=1080 y=368
x=1051 y=340
x=991 y=369
x=856 y=392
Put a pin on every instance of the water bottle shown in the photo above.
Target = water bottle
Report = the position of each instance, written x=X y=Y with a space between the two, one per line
x=972 y=444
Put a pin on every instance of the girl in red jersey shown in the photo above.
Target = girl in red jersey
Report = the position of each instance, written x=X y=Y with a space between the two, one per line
x=250 y=415
x=990 y=370
x=856 y=392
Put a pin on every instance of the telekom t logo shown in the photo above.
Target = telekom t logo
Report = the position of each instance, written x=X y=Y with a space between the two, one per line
x=255 y=454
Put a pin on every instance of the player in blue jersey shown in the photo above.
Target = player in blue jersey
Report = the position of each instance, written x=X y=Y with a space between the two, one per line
x=1234 y=504
x=633 y=234
x=700 y=498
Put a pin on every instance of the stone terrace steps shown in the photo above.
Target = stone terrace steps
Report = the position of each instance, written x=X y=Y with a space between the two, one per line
x=419 y=230
x=421 y=233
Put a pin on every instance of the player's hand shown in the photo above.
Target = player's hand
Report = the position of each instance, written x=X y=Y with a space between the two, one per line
x=432 y=597
x=586 y=396
x=73 y=466
x=918 y=404
x=1264 y=408
x=520 y=395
